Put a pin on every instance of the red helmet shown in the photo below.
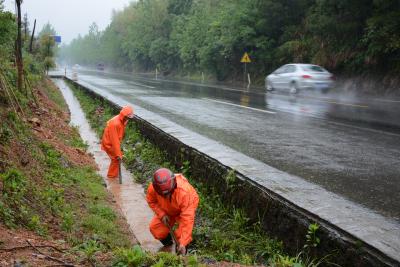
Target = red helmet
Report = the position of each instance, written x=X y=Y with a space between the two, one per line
x=164 y=181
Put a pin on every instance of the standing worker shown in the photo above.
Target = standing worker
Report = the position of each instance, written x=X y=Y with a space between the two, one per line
x=173 y=200
x=112 y=138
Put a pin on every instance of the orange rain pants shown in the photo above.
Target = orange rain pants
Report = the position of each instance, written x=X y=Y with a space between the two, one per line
x=181 y=209
x=112 y=138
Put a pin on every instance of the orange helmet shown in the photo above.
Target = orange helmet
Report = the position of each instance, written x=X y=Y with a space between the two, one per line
x=164 y=181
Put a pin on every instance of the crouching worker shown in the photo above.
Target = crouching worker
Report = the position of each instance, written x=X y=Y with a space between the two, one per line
x=173 y=200
x=112 y=138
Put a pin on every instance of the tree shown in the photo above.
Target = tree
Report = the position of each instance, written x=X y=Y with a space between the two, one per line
x=8 y=33
x=18 y=50
x=25 y=27
x=47 y=46
x=382 y=35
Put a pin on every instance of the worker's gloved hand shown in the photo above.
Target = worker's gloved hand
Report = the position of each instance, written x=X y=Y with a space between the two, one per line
x=165 y=220
x=181 y=250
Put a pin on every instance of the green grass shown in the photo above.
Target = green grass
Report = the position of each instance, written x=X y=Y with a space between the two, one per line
x=54 y=193
x=55 y=95
x=74 y=140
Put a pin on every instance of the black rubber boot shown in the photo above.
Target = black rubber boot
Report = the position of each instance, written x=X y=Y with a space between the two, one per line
x=167 y=241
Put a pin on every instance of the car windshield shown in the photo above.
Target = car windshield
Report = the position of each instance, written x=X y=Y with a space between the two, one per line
x=313 y=68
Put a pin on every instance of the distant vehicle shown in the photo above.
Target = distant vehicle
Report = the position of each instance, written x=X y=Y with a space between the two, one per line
x=100 y=66
x=76 y=66
x=298 y=77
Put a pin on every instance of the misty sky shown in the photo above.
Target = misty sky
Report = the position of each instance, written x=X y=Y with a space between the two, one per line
x=68 y=17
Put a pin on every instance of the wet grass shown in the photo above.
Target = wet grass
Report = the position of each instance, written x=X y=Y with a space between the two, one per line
x=221 y=232
x=53 y=196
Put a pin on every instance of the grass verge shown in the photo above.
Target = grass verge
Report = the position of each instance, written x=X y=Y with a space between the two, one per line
x=49 y=185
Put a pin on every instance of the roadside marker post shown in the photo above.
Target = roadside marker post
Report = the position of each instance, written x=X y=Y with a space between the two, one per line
x=246 y=59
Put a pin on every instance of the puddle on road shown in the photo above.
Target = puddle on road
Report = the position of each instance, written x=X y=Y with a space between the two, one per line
x=129 y=196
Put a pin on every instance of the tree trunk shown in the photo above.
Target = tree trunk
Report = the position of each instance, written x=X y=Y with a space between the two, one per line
x=33 y=33
x=20 y=66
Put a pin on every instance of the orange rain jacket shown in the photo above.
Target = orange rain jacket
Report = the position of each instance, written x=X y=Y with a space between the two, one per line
x=181 y=208
x=114 y=133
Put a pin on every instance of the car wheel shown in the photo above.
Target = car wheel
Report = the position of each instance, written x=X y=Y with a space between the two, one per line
x=293 y=88
x=269 y=87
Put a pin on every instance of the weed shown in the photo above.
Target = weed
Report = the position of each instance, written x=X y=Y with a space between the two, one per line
x=312 y=240
x=130 y=257
x=5 y=134
x=230 y=178
x=192 y=261
x=53 y=198
x=103 y=211
x=52 y=157
x=14 y=183
x=7 y=214
x=36 y=225
x=75 y=140
x=105 y=230
x=185 y=169
x=89 y=248
x=12 y=205
x=67 y=221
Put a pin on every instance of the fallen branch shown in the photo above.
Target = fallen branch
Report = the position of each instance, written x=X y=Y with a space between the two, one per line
x=50 y=257
x=29 y=246
x=15 y=97
x=4 y=86
x=28 y=85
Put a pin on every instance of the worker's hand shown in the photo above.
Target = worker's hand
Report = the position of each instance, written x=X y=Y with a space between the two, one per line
x=165 y=220
x=181 y=250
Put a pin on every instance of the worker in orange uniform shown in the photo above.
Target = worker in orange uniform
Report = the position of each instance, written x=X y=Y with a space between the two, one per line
x=173 y=200
x=112 y=138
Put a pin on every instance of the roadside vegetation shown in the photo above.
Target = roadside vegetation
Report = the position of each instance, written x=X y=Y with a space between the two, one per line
x=53 y=206
x=221 y=232
x=189 y=37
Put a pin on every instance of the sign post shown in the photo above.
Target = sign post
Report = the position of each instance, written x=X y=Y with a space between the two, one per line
x=245 y=59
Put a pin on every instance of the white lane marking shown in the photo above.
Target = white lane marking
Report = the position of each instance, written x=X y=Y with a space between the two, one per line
x=235 y=105
x=147 y=80
x=387 y=100
x=139 y=84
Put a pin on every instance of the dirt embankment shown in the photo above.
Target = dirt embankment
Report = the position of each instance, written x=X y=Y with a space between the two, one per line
x=44 y=216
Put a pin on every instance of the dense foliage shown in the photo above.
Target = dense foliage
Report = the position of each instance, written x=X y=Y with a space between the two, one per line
x=38 y=60
x=193 y=36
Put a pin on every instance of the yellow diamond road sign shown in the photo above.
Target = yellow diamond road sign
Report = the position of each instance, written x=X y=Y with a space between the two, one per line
x=245 y=58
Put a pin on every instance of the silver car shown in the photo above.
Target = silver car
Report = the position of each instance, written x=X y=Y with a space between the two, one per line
x=297 y=77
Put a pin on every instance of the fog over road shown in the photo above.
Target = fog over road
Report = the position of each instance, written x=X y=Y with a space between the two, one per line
x=337 y=142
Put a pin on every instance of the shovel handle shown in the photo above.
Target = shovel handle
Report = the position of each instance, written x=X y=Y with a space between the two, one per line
x=119 y=170
x=173 y=238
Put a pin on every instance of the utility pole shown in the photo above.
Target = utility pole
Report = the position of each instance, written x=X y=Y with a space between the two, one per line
x=20 y=67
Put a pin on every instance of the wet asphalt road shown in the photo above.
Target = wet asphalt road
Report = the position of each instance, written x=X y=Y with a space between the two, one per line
x=348 y=145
